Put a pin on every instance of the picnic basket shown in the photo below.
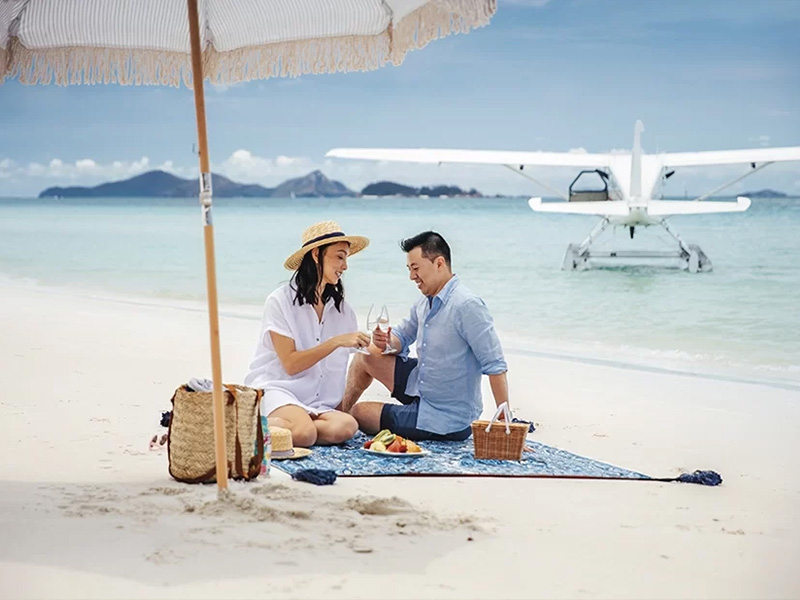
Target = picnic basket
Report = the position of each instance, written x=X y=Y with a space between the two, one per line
x=191 y=434
x=499 y=440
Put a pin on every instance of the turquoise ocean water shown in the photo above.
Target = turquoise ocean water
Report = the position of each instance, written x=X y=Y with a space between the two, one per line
x=741 y=319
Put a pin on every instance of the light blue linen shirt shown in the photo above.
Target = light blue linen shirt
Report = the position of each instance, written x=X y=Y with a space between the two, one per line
x=456 y=343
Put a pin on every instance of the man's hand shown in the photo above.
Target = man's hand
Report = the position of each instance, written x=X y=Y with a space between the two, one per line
x=380 y=339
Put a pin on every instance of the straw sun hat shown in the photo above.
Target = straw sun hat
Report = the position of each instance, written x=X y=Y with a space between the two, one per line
x=282 y=446
x=319 y=234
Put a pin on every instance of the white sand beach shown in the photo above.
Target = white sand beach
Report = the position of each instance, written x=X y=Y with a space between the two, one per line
x=89 y=512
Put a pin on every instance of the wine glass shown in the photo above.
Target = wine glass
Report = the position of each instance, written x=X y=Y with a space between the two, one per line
x=383 y=325
x=371 y=324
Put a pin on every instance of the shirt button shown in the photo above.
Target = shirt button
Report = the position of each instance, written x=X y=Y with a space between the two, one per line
x=317 y=339
x=426 y=324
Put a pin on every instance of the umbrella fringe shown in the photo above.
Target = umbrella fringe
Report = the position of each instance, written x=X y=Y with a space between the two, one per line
x=296 y=58
x=70 y=66
x=436 y=20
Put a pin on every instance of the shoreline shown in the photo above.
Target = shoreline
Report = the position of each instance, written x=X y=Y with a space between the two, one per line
x=512 y=344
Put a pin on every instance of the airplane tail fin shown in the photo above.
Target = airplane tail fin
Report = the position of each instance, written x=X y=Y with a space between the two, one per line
x=636 y=161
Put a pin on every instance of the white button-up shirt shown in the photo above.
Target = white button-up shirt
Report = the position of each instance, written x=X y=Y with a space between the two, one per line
x=320 y=387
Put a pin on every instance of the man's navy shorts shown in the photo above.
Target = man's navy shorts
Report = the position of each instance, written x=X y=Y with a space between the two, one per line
x=402 y=419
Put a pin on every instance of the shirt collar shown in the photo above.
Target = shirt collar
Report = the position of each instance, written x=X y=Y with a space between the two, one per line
x=444 y=293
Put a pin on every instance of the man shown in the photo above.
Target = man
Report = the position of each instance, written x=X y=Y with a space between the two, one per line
x=456 y=342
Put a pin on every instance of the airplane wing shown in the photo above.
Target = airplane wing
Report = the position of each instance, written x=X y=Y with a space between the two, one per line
x=613 y=208
x=480 y=157
x=662 y=208
x=729 y=157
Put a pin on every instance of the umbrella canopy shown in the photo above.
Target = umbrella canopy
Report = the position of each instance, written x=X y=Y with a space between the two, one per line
x=147 y=41
x=166 y=42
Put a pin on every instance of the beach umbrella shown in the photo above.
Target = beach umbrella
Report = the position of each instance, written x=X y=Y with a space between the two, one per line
x=169 y=42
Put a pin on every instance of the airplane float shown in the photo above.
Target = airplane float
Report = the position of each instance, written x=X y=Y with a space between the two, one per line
x=626 y=196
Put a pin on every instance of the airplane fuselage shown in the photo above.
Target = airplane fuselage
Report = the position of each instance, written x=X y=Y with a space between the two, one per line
x=637 y=217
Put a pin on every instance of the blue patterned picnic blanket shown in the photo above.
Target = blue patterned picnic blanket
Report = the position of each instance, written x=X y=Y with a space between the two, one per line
x=453 y=458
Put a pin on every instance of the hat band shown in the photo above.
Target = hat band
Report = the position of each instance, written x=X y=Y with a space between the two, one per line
x=283 y=453
x=324 y=237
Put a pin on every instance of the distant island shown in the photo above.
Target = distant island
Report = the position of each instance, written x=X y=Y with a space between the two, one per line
x=389 y=188
x=160 y=184
x=764 y=194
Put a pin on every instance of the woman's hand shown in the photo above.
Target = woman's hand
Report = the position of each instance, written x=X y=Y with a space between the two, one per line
x=356 y=339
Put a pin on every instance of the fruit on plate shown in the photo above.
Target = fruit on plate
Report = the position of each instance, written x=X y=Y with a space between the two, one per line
x=412 y=447
x=384 y=436
x=386 y=441
x=395 y=446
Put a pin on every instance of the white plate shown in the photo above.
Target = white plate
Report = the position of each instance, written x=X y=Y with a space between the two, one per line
x=397 y=454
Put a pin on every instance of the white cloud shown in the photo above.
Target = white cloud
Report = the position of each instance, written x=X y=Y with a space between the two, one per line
x=86 y=165
x=84 y=171
x=242 y=165
x=7 y=168
x=284 y=161
x=761 y=140
x=34 y=170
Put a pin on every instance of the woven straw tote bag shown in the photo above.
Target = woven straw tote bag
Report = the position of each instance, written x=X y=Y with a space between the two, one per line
x=191 y=434
x=503 y=441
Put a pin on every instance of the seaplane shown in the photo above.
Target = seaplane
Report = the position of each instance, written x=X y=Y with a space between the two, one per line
x=626 y=192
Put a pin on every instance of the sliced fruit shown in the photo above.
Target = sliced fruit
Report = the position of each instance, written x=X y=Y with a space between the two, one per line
x=412 y=446
x=380 y=434
x=378 y=447
x=394 y=446
x=367 y=444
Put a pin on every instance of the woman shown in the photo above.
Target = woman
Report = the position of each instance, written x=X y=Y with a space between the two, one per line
x=307 y=334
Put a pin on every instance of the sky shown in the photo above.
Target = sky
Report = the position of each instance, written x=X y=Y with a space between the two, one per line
x=554 y=75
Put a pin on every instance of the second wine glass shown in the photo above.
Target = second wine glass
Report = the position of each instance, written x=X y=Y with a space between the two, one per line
x=371 y=324
x=383 y=325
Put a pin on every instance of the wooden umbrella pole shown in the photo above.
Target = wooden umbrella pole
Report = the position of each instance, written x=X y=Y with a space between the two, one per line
x=208 y=234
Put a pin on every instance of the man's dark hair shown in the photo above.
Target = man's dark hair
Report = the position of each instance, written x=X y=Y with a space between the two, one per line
x=305 y=280
x=430 y=243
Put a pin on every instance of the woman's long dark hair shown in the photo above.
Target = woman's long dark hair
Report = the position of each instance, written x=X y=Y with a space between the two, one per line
x=305 y=280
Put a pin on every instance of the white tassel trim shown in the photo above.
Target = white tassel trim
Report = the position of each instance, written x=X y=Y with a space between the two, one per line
x=69 y=66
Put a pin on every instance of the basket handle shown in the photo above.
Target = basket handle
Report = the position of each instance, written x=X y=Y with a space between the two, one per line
x=503 y=408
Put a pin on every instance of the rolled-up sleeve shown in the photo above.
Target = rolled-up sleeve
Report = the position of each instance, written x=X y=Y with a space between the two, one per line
x=477 y=328
x=406 y=332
